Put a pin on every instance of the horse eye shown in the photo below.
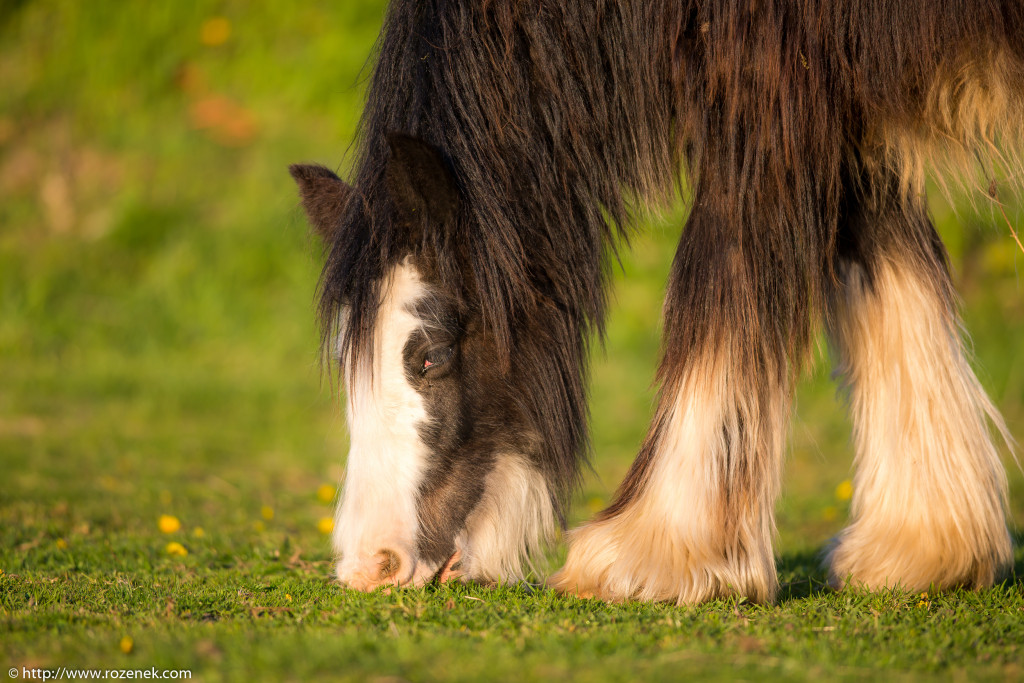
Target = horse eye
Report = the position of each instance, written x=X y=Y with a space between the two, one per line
x=436 y=357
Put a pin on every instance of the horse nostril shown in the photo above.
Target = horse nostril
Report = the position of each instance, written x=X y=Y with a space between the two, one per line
x=389 y=563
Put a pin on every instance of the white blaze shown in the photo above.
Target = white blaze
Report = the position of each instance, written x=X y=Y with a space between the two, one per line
x=387 y=457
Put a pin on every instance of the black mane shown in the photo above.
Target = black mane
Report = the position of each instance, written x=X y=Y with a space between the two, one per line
x=549 y=117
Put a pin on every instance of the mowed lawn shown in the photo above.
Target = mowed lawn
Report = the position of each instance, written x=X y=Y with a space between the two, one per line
x=170 y=450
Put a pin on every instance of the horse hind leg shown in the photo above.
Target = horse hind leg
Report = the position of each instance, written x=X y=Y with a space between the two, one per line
x=929 y=489
x=694 y=519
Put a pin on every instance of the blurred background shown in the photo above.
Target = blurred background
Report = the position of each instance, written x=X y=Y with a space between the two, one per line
x=158 y=350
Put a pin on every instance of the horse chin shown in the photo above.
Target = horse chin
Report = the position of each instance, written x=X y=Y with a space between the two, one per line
x=451 y=570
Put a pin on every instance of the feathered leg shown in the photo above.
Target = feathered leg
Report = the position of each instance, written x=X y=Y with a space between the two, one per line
x=929 y=491
x=694 y=518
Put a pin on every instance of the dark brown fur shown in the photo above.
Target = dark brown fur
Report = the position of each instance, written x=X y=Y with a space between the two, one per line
x=323 y=196
x=781 y=103
x=787 y=116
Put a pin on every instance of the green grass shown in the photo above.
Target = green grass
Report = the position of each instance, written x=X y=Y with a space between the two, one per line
x=158 y=356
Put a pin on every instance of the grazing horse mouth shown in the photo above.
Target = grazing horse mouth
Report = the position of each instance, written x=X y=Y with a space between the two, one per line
x=451 y=569
x=391 y=570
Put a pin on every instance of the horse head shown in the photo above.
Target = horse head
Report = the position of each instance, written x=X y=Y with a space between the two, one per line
x=448 y=473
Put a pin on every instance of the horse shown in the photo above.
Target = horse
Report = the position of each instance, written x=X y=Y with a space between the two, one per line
x=505 y=150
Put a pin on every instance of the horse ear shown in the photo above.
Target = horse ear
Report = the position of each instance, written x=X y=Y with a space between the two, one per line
x=323 y=196
x=420 y=180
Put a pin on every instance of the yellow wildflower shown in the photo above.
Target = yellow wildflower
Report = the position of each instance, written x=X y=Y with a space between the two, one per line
x=168 y=524
x=215 y=31
x=325 y=525
x=267 y=512
x=845 y=490
x=175 y=548
x=325 y=494
x=62 y=544
x=127 y=644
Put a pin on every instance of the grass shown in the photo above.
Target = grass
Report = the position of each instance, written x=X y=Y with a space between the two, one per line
x=158 y=357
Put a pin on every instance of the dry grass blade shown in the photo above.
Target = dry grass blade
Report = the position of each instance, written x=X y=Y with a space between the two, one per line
x=994 y=194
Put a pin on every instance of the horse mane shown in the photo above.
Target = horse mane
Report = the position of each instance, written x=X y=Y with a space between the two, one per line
x=553 y=117
x=550 y=118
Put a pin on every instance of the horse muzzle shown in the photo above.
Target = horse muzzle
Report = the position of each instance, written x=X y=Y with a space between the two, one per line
x=395 y=565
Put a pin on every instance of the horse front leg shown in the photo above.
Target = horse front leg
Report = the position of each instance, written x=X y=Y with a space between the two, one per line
x=694 y=518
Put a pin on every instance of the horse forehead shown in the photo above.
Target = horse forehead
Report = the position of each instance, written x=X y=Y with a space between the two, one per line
x=407 y=286
x=382 y=402
x=380 y=363
x=398 y=317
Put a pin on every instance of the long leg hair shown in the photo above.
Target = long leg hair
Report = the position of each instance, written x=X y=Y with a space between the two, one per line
x=797 y=118
x=930 y=491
